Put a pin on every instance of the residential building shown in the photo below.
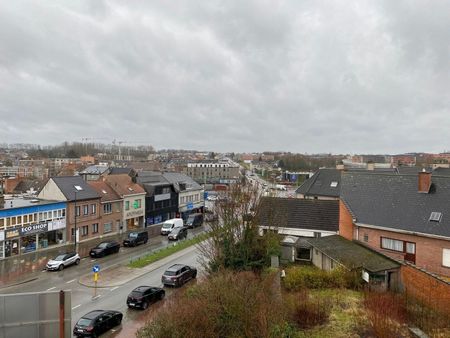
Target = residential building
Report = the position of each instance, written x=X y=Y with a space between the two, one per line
x=190 y=194
x=29 y=224
x=406 y=217
x=377 y=270
x=111 y=209
x=213 y=172
x=298 y=218
x=83 y=205
x=94 y=172
x=133 y=196
x=161 y=199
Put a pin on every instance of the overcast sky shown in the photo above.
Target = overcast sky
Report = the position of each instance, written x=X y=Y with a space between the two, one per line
x=301 y=76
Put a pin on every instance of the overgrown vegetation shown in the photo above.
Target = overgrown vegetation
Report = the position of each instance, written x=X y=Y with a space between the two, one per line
x=310 y=277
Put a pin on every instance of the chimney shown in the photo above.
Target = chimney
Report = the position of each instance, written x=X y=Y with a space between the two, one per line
x=370 y=166
x=424 y=181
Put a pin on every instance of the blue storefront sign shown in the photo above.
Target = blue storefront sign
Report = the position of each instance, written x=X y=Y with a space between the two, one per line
x=190 y=206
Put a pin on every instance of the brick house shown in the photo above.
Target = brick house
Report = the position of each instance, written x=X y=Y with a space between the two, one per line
x=82 y=201
x=406 y=217
x=111 y=208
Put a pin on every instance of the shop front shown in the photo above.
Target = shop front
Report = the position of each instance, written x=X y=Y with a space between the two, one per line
x=29 y=238
x=134 y=219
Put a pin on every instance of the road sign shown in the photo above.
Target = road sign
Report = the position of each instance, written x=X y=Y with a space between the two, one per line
x=96 y=268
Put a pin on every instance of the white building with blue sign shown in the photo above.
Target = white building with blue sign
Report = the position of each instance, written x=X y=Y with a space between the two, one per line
x=28 y=225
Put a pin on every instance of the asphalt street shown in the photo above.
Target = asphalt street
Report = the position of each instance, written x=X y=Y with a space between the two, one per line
x=85 y=299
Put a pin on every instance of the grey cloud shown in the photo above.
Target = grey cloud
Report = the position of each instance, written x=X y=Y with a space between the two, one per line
x=309 y=76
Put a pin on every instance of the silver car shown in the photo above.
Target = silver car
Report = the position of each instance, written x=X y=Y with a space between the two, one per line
x=63 y=260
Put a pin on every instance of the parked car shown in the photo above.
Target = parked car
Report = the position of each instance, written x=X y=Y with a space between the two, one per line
x=63 y=260
x=105 y=248
x=171 y=224
x=178 y=233
x=96 y=322
x=194 y=220
x=142 y=296
x=178 y=274
x=135 y=238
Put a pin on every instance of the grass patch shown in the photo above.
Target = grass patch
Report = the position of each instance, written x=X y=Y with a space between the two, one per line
x=346 y=315
x=157 y=255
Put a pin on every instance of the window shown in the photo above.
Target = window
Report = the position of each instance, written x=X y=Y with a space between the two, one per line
x=2 y=222
x=391 y=244
x=107 y=227
x=446 y=257
x=410 y=248
x=94 y=228
x=334 y=184
x=64 y=212
x=72 y=231
x=93 y=208
x=107 y=208
x=77 y=211
x=127 y=205
x=19 y=219
x=13 y=221
x=84 y=230
x=435 y=216
x=86 y=209
x=78 y=188
x=137 y=204
x=366 y=237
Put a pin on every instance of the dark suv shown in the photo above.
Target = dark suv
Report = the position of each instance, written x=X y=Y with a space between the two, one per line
x=194 y=220
x=136 y=238
x=105 y=248
x=178 y=274
x=142 y=296
x=96 y=322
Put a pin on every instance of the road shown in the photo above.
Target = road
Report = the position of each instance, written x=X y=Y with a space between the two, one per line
x=83 y=300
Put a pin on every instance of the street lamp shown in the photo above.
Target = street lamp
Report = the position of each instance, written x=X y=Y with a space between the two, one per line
x=75 y=246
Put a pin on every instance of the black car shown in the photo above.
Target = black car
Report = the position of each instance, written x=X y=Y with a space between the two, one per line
x=177 y=233
x=194 y=220
x=105 y=248
x=96 y=322
x=136 y=238
x=142 y=296
x=178 y=274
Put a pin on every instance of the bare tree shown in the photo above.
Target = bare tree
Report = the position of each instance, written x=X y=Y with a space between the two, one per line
x=235 y=241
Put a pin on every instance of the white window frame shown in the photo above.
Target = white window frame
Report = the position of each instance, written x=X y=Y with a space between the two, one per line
x=446 y=258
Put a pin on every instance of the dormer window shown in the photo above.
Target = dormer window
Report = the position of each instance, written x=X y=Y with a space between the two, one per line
x=334 y=184
x=78 y=187
x=435 y=216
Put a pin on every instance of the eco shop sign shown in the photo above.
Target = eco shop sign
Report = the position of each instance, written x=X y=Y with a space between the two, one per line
x=33 y=229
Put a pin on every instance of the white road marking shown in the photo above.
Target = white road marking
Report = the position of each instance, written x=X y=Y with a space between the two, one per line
x=77 y=306
x=73 y=280
x=114 y=288
x=51 y=288
x=96 y=297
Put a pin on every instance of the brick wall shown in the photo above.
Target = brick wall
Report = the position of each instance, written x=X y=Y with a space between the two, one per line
x=429 y=251
x=426 y=288
x=345 y=222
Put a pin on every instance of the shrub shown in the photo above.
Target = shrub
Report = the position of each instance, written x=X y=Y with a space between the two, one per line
x=309 y=277
x=306 y=311
x=386 y=312
x=225 y=305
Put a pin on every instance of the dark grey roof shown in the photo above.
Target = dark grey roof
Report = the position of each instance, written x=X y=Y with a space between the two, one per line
x=352 y=255
x=441 y=172
x=393 y=201
x=177 y=178
x=67 y=186
x=320 y=183
x=119 y=171
x=299 y=213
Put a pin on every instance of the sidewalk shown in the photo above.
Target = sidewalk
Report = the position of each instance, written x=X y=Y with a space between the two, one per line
x=121 y=274
x=27 y=267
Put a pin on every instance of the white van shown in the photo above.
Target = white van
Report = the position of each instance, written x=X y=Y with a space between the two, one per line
x=171 y=224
